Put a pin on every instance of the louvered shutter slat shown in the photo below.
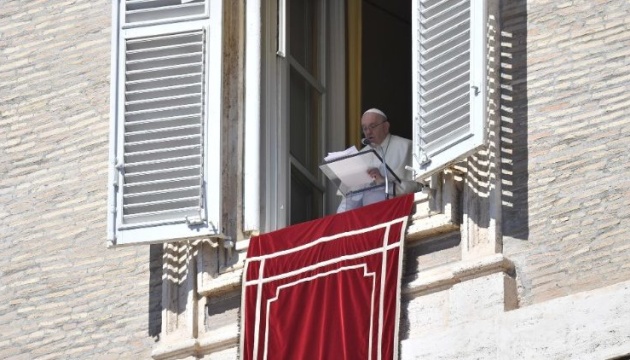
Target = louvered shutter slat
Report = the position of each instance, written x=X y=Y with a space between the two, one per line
x=162 y=174
x=163 y=63
x=155 y=218
x=161 y=92
x=153 y=140
x=161 y=185
x=161 y=142
x=160 y=73
x=163 y=133
x=138 y=206
x=445 y=128
x=157 y=104
x=138 y=11
x=161 y=195
x=444 y=105
x=149 y=165
x=160 y=122
x=156 y=83
x=148 y=134
x=177 y=151
x=178 y=204
x=163 y=113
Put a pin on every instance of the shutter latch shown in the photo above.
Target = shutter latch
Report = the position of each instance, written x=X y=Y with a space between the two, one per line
x=199 y=219
x=195 y=220
x=424 y=160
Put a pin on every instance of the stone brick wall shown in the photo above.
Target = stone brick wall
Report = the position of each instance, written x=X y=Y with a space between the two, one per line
x=62 y=293
x=566 y=115
x=564 y=108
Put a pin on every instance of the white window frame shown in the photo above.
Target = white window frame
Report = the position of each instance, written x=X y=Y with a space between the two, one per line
x=268 y=210
x=211 y=226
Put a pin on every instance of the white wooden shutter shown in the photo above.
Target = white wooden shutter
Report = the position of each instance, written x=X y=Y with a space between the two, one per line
x=166 y=122
x=449 y=81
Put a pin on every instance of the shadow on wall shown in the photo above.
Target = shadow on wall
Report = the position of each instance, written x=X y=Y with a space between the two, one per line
x=481 y=173
x=156 y=254
x=513 y=112
x=179 y=260
x=507 y=128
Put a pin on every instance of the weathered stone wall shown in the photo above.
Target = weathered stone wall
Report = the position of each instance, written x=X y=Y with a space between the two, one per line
x=566 y=117
x=63 y=294
x=565 y=198
x=469 y=321
x=562 y=285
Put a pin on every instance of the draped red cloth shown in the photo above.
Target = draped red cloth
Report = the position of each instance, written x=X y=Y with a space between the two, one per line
x=328 y=288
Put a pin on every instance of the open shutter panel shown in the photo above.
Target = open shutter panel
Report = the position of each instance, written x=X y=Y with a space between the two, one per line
x=448 y=82
x=163 y=128
x=166 y=101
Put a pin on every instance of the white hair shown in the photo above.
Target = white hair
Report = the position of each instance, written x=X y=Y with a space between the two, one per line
x=375 y=111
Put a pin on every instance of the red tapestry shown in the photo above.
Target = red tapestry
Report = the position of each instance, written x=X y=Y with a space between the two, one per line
x=328 y=288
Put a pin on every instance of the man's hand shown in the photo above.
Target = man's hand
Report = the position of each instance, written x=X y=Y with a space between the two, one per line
x=376 y=175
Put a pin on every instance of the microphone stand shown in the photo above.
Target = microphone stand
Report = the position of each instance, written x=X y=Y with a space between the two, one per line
x=386 y=177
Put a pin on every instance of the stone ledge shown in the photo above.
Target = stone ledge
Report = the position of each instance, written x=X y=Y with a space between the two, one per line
x=448 y=275
x=432 y=215
x=217 y=342
x=424 y=229
x=230 y=279
x=225 y=282
x=174 y=350
x=242 y=245
x=195 y=347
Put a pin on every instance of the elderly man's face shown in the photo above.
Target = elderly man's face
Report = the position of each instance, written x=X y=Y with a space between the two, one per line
x=375 y=127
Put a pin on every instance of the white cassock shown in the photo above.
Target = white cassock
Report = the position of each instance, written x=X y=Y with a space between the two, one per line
x=396 y=151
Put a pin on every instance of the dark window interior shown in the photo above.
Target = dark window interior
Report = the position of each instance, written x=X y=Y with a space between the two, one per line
x=386 y=67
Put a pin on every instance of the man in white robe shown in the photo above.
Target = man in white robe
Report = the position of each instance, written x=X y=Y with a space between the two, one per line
x=396 y=152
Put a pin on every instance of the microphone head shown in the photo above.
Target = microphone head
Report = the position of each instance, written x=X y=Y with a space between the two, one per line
x=365 y=141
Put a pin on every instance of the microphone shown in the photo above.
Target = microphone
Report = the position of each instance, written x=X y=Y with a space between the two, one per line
x=366 y=141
